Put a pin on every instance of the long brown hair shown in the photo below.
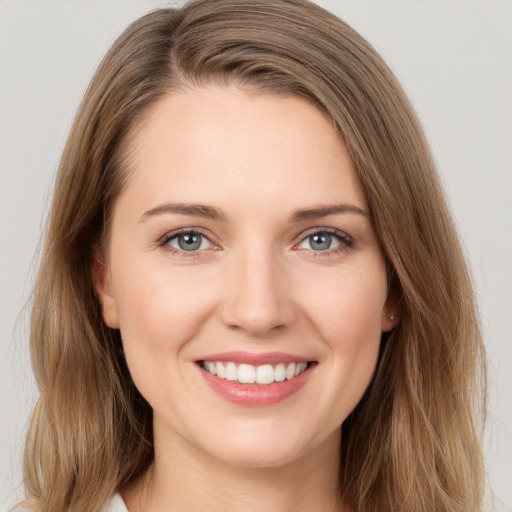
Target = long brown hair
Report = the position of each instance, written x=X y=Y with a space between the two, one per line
x=412 y=443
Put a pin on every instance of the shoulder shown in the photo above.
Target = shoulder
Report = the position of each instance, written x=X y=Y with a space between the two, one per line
x=116 y=504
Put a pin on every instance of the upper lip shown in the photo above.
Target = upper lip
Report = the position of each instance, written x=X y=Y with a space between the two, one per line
x=251 y=358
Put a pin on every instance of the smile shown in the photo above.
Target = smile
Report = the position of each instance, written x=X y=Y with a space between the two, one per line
x=255 y=380
x=249 y=374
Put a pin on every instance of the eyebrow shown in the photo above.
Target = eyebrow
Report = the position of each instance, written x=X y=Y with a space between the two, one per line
x=324 y=211
x=213 y=213
x=196 y=210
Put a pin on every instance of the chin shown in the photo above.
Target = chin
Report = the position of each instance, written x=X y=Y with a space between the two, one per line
x=259 y=458
x=266 y=447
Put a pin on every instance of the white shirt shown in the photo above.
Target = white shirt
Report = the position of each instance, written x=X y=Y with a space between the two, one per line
x=116 y=504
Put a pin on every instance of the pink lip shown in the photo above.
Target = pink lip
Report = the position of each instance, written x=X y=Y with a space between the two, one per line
x=256 y=395
x=256 y=359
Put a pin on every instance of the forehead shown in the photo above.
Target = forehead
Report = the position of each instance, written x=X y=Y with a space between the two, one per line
x=224 y=144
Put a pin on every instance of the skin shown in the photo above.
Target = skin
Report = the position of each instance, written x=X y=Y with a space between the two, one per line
x=255 y=284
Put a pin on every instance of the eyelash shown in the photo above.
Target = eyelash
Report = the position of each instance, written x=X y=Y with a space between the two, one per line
x=345 y=241
x=164 y=241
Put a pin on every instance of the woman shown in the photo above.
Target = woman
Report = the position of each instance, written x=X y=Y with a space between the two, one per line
x=251 y=280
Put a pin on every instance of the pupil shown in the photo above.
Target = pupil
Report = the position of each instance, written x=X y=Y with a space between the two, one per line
x=320 y=241
x=189 y=242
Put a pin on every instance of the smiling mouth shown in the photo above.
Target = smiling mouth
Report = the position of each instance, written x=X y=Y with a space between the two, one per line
x=264 y=374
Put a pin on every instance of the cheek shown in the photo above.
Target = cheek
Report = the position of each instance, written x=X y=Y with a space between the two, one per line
x=347 y=307
x=159 y=312
x=347 y=315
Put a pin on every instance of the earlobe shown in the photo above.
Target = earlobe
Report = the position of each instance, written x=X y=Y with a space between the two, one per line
x=103 y=287
x=390 y=315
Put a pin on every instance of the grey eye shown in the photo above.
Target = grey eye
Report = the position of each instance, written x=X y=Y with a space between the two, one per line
x=189 y=241
x=320 y=241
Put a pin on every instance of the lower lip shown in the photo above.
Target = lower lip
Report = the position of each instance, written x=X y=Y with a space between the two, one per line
x=256 y=395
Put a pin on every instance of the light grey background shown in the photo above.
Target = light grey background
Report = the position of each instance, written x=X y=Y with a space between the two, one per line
x=454 y=58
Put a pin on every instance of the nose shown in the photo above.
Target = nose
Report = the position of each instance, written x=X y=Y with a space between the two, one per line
x=258 y=299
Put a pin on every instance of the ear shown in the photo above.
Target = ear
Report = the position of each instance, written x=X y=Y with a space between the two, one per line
x=390 y=313
x=103 y=286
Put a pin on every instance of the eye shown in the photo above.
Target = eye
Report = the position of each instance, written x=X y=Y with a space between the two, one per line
x=324 y=241
x=188 y=241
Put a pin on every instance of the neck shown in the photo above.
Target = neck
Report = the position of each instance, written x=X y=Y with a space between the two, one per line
x=184 y=478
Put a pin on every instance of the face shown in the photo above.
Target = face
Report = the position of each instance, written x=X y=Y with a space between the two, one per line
x=242 y=246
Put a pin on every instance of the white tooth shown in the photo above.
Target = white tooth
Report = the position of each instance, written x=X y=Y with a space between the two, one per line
x=279 y=372
x=231 y=372
x=300 y=368
x=264 y=374
x=221 y=371
x=246 y=374
x=211 y=367
x=290 y=371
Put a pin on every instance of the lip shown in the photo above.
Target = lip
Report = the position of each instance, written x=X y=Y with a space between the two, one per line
x=254 y=359
x=256 y=395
